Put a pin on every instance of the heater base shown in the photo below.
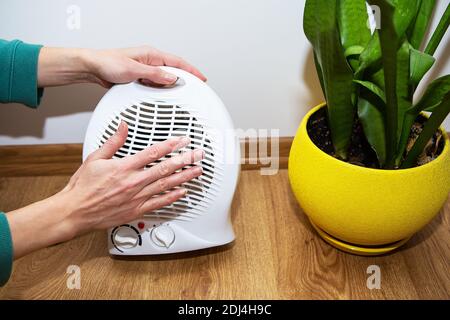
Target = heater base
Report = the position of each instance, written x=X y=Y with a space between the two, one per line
x=358 y=249
x=164 y=238
x=174 y=254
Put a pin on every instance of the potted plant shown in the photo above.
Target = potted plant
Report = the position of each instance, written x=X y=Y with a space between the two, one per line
x=368 y=167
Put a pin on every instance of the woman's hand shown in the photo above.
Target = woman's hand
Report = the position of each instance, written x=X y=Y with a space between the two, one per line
x=126 y=65
x=105 y=192
x=61 y=66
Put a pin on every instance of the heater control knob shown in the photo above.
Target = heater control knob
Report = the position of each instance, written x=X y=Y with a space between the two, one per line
x=125 y=237
x=162 y=236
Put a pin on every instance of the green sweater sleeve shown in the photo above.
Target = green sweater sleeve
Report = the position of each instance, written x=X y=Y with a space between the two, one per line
x=18 y=83
x=18 y=73
x=6 y=250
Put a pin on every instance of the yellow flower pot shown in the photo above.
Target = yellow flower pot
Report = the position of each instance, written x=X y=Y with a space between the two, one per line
x=361 y=210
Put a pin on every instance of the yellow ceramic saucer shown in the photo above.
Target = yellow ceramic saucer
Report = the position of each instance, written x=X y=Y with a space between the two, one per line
x=358 y=250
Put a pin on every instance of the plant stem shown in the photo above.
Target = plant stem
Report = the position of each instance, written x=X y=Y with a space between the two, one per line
x=432 y=124
x=389 y=41
x=438 y=32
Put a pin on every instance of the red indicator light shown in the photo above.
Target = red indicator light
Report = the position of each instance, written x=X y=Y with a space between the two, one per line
x=141 y=225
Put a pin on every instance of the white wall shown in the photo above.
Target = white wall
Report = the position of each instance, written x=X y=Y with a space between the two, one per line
x=253 y=52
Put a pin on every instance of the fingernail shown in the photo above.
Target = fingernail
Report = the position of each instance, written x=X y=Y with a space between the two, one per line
x=170 y=77
x=182 y=191
x=199 y=155
x=121 y=125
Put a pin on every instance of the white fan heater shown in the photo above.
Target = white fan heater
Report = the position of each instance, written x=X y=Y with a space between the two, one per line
x=200 y=219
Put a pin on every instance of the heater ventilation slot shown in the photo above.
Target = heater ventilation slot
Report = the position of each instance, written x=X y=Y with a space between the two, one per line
x=149 y=123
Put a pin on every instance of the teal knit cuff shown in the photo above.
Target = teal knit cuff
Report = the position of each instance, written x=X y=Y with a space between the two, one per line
x=24 y=72
x=6 y=250
x=19 y=73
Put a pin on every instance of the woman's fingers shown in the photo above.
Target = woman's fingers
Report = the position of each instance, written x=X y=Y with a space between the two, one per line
x=177 y=62
x=160 y=201
x=152 y=74
x=169 y=182
x=155 y=152
x=149 y=56
x=169 y=166
x=110 y=147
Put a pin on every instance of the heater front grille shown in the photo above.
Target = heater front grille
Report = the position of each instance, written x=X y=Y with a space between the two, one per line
x=149 y=123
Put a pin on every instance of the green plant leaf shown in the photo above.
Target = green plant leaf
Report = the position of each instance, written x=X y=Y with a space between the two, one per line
x=352 y=21
x=389 y=42
x=418 y=28
x=431 y=125
x=353 y=51
x=372 y=121
x=354 y=31
x=433 y=95
x=320 y=27
x=404 y=94
x=370 y=56
x=408 y=121
x=404 y=13
x=319 y=75
x=438 y=32
x=372 y=87
x=378 y=79
x=420 y=63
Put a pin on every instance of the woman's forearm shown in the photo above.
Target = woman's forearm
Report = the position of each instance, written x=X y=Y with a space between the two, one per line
x=62 y=66
x=40 y=225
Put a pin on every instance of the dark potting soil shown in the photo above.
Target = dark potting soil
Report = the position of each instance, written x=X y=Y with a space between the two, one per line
x=360 y=152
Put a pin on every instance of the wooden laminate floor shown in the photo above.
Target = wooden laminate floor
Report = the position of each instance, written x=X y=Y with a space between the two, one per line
x=277 y=255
